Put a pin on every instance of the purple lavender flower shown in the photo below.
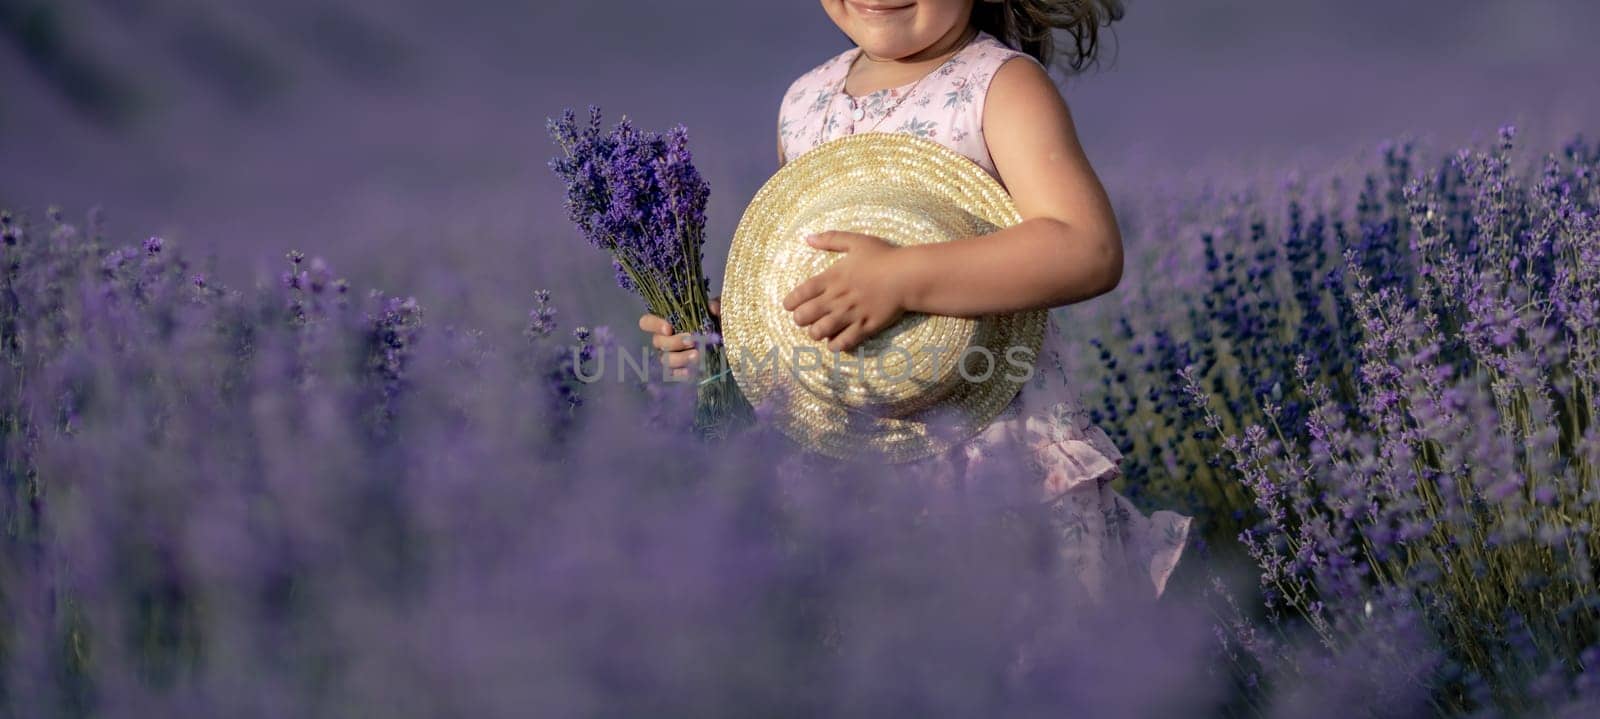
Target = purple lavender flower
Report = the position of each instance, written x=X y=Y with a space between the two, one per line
x=638 y=196
x=542 y=318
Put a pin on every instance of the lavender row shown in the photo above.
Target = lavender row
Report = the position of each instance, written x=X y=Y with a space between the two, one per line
x=1387 y=404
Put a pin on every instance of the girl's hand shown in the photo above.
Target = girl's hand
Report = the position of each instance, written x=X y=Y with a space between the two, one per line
x=678 y=348
x=856 y=297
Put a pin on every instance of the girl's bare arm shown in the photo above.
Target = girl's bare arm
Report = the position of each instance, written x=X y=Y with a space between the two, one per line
x=1068 y=247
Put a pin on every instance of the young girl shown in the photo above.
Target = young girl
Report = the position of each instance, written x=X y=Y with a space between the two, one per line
x=971 y=75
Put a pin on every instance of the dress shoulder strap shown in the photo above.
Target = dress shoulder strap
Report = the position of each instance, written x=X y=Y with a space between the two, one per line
x=807 y=98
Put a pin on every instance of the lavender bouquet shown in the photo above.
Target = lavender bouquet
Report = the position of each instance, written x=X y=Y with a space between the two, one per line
x=638 y=196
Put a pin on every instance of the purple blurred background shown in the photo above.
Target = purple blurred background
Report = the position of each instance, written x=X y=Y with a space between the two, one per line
x=405 y=140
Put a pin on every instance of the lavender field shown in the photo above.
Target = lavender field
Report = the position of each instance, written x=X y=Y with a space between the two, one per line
x=289 y=424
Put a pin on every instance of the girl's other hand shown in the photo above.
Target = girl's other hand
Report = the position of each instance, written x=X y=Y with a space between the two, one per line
x=858 y=295
x=678 y=348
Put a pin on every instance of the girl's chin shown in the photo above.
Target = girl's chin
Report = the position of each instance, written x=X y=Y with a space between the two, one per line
x=889 y=48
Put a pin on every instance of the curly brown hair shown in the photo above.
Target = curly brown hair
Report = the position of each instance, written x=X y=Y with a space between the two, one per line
x=1028 y=25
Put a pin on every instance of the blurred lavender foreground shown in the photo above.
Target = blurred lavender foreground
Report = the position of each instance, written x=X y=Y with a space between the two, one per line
x=291 y=501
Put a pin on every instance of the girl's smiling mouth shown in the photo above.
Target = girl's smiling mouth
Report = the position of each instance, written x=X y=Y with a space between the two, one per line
x=875 y=10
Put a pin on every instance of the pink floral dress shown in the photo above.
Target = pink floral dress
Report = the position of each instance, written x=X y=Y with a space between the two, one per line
x=1103 y=537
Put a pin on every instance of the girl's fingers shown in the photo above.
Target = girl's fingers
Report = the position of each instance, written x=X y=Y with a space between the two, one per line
x=804 y=292
x=672 y=343
x=716 y=305
x=676 y=360
x=828 y=326
x=655 y=325
x=849 y=338
x=810 y=312
x=833 y=241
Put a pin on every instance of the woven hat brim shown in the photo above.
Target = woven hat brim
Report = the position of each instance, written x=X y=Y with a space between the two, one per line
x=884 y=163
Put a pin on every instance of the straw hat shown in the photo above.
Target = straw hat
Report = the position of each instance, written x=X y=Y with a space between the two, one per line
x=923 y=384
